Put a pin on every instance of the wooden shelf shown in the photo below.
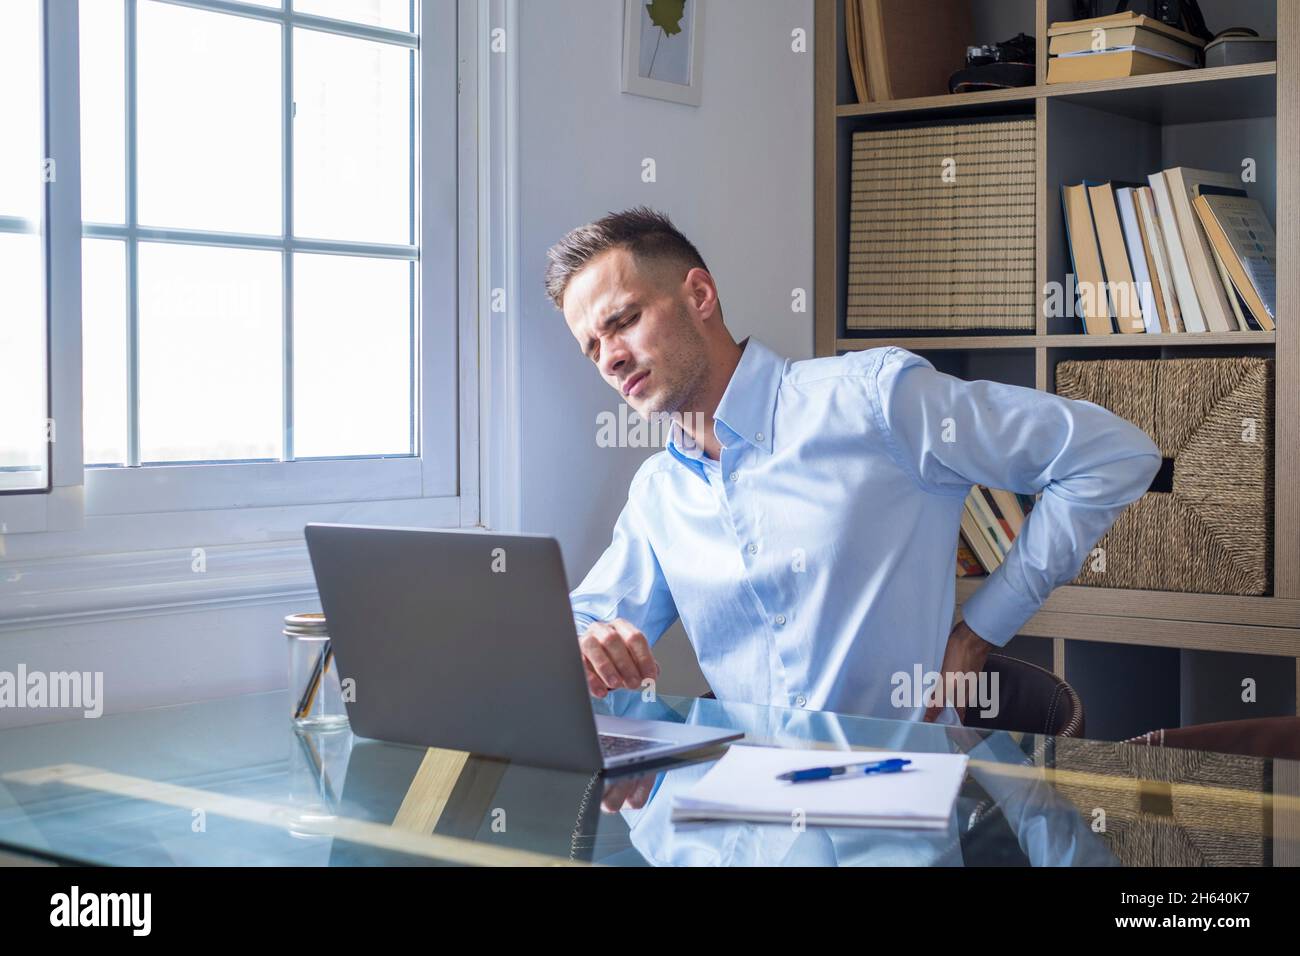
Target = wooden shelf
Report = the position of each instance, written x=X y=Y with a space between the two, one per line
x=996 y=342
x=1157 y=632
x=1120 y=129
x=922 y=342
x=951 y=103
x=1202 y=96
x=1180 y=340
x=1163 y=605
x=1154 y=98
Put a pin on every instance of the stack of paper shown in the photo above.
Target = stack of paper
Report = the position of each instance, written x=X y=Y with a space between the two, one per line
x=743 y=785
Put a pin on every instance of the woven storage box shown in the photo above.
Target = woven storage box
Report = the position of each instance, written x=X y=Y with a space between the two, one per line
x=925 y=253
x=1167 y=807
x=1206 y=525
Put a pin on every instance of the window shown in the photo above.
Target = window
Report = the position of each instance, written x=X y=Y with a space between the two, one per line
x=236 y=279
x=249 y=264
x=24 y=405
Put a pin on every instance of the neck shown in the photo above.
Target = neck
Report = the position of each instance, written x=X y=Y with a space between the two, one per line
x=697 y=415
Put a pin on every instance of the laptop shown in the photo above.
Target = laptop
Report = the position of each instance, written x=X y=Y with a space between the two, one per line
x=465 y=640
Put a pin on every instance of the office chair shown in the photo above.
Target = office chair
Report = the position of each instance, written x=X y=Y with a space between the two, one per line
x=1030 y=699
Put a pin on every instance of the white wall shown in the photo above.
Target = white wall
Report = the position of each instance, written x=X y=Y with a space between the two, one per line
x=735 y=175
x=160 y=659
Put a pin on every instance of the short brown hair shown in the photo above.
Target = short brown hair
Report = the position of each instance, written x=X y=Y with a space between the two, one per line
x=647 y=234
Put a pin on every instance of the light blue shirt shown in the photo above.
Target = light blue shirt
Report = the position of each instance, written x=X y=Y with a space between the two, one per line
x=818 y=559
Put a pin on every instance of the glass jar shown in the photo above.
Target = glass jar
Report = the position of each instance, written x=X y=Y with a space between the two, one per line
x=315 y=693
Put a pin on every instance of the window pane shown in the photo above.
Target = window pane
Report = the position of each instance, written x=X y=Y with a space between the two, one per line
x=22 y=147
x=352 y=356
x=23 y=450
x=24 y=411
x=210 y=353
x=209 y=91
x=103 y=111
x=352 y=139
x=394 y=14
x=103 y=350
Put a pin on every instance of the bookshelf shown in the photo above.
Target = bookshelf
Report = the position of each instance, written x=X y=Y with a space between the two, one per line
x=1108 y=129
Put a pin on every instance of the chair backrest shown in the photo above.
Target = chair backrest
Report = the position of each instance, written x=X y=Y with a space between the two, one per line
x=1030 y=699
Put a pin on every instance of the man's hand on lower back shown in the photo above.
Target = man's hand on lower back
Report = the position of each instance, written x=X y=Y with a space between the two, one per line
x=965 y=654
x=616 y=656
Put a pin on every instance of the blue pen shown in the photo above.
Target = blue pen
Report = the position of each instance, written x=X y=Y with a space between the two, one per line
x=892 y=765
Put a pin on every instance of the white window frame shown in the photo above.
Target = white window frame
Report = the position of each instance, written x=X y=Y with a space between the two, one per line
x=123 y=509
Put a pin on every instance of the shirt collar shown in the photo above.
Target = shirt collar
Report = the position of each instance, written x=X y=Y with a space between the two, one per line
x=748 y=407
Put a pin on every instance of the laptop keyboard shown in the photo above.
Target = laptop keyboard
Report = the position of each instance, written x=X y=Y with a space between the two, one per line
x=616 y=745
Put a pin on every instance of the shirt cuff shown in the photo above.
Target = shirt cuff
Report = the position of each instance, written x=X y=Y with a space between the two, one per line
x=997 y=611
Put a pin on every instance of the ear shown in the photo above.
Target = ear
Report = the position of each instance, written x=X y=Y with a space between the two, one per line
x=701 y=292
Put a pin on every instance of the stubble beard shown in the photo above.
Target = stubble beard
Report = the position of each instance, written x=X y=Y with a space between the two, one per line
x=690 y=372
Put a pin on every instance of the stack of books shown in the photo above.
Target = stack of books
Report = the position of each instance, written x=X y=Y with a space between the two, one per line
x=990 y=522
x=1122 y=44
x=1187 y=251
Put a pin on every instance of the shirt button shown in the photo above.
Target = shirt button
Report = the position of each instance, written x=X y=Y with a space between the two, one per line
x=753 y=549
x=735 y=476
x=780 y=619
x=801 y=700
x=758 y=437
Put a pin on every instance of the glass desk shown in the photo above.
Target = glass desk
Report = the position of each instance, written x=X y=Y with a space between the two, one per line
x=228 y=782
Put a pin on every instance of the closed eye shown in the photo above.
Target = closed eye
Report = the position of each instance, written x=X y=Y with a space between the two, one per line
x=592 y=351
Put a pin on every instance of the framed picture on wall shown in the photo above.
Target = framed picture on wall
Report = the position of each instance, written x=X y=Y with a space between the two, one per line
x=661 y=49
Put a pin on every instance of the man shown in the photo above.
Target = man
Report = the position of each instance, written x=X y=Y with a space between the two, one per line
x=802 y=521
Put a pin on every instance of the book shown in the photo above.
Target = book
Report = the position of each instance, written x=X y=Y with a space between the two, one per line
x=991 y=511
x=1085 y=257
x=985 y=552
x=1183 y=183
x=1009 y=505
x=1109 y=40
x=1241 y=234
x=1240 y=310
x=913 y=48
x=1234 y=300
x=1114 y=257
x=1107 y=66
x=967 y=564
x=993 y=532
x=1192 y=316
x=873 y=48
x=1137 y=257
x=1185 y=59
x=1123 y=20
x=1155 y=240
x=1146 y=241
x=853 y=42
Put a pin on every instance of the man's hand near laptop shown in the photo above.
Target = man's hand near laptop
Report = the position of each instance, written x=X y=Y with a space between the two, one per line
x=616 y=656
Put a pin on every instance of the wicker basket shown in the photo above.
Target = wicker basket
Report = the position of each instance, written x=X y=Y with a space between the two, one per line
x=1169 y=807
x=934 y=251
x=1206 y=523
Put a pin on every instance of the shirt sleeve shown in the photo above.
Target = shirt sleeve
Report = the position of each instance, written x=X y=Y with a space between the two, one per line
x=1088 y=463
x=626 y=582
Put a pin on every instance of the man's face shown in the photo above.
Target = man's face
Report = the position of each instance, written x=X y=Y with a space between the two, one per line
x=636 y=325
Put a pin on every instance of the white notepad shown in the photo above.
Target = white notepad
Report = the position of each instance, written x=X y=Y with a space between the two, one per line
x=743 y=785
